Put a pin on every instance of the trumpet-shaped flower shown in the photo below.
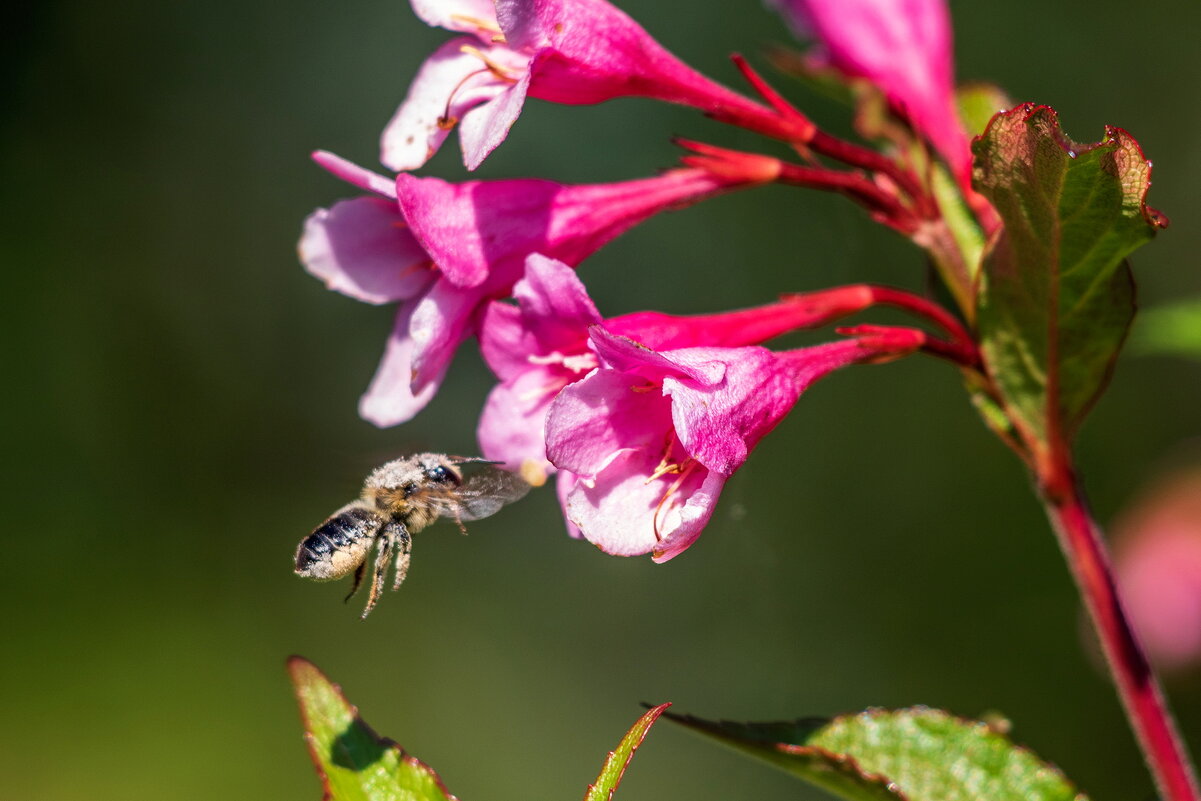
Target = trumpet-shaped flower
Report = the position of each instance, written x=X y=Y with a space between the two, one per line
x=541 y=345
x=904 y=48
x=652 y=436
x=563 y=51
x=445 y=250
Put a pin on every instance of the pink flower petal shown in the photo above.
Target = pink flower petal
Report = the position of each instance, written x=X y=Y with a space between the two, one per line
x=352 y=173
x=484 y=127
x=361 y=248
x=441 y=321
x=564 y=484
x=464 y=16
x=390 y=400
x=555 y=302
x=605 y=413
x=511 y=428
x=635 y=358
x=505 y=342
x=684 y=524
x=450 y=85
x=624 y=514
x=904 y=47
x=589 y=51
x=483 y=230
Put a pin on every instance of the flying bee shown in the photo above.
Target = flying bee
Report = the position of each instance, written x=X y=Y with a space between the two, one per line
x=399 y=499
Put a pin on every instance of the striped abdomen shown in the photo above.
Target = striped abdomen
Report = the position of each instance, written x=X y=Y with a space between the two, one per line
x=340 y=544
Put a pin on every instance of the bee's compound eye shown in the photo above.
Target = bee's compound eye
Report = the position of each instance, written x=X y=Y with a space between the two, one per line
x=439 y=474
x=409 y=489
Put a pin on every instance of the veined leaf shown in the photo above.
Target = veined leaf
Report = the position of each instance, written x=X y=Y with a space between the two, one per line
x=356 y=764
x=914 y=754
x=353 y=762
x=1056 y=294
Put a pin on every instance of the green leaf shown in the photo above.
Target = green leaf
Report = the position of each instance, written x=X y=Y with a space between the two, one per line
x=1174 y=329
x=916 y=754
x=619 y=758
x=1056 y=294
x=977 y=103
x=353 y=762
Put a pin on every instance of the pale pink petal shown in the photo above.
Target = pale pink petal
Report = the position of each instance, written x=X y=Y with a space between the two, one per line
x=683 y=524
x=450 y=84
x=590 y=421
x=902 y=46
x=625 y=514
x=565 y=482
x=464 y=16
x=442 y=319
x=361 y=248
x=484 y=127
x=354 y=174
x=390 y=400
x=505 y=342
x=514 y=419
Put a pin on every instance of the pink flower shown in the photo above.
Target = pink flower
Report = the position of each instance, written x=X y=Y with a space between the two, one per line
x=1158 y=567
x=563 y=51
x=902 y=46
x=541 y=345
x=444 y=250
x=652 y=436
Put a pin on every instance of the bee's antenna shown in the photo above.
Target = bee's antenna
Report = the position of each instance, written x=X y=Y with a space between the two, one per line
x=458 y=460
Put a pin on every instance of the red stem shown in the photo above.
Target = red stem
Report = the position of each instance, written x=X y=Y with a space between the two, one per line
x=792 y=126
x=888 y=209
x=1137 y=684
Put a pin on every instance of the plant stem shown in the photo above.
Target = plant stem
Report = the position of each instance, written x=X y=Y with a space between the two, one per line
x=1137 y=684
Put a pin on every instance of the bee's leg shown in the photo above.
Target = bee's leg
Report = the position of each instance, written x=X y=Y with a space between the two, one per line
x=359 y=572
x=404 y=547
x=384 y=546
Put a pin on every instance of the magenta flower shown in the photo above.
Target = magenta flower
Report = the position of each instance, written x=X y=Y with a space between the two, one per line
x=563 y=51
x=652 y=436
x=444 y=250
x=904 y=48
x=542 y=344
x=1158 y=567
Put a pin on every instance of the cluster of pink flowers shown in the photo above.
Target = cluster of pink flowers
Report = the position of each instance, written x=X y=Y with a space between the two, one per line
x=642 y=416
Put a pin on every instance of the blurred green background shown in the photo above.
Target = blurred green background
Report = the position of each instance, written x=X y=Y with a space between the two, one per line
x=181 y=411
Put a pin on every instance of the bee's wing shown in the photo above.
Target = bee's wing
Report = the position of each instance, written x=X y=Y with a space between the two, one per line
x=484 y=492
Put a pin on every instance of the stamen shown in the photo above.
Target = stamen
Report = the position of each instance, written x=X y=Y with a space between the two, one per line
x=417 y=266
x=482 y=24
x=666 y=465
x=685 y=470
x=496 y=69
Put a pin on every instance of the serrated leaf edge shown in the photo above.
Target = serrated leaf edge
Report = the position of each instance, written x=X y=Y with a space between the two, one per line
x=637 y=733
x=848 y=762
x=297 y=667
x=844 y=763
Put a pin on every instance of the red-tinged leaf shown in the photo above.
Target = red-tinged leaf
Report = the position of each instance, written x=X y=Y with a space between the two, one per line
x=914 y=754
x=619 y=758
x=1056 y=295
x=353 y=762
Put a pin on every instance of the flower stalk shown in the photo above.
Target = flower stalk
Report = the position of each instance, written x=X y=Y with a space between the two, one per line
x=1138 y=687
